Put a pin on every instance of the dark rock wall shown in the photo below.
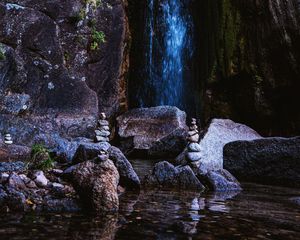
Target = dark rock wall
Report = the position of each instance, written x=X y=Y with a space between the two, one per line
x=249 y=63
x=48 y=56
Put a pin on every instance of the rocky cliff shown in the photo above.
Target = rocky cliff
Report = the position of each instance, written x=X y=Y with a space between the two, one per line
x=60 y=61
x=249 y=60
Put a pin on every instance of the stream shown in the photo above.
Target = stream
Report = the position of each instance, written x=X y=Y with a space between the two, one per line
x=258 y=212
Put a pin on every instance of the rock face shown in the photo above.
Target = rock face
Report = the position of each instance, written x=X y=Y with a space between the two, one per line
x=219 y=132
x=246 y=43
x=54 y=74
x=165 y=175
x=269 y=160
x=96 y=183
x=157 y=131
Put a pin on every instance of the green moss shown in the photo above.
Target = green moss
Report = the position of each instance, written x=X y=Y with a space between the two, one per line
x=40 y=158
x=2 y=53
x=98 y=37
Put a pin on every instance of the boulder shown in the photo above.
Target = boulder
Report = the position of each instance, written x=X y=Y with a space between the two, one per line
x=13 y=152
x=269 y=160
x=89 y=150
x=222 y=181
x=96 y=184
x=155 y=132
x=128 y=177
x=165 y=175
x=220 y=132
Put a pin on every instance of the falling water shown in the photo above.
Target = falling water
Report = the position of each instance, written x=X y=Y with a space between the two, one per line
x=168 y=36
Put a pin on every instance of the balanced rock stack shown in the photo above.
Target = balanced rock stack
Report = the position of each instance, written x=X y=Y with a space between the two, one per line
x=193 y=148
x=8 y=139
x=102 y=132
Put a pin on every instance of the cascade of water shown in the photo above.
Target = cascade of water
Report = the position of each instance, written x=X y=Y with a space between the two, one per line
x=168 y=36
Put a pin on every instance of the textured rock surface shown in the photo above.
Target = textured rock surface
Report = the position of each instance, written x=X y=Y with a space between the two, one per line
x=245 y=44
x=97 y=183
x=49 y=71
x=89 y=151
x=146 y=130
x=165 y=175
x=222 y=181
x=220 y=132
x=128 y=177
x=13 y=152
x=269 y=160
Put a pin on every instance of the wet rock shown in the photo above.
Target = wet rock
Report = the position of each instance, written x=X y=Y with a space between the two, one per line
x=222 y=181
x=157 y=131
x=128 y=177
x=61 y=205
x=220 y=132
x=89 y=151
x=296 y=200
x=166 y=175
x=268 y=160
x=40 y=179
x=12 y=152
x=185 y=227
x=96 y=184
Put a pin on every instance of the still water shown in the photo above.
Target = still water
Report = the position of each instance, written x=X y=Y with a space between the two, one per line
x=259 y=212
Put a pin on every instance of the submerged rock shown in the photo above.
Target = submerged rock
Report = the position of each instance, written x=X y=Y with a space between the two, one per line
x=269 y=160
x=96 y=184
x=165 y=175
x=222 y=181
x=158 y=131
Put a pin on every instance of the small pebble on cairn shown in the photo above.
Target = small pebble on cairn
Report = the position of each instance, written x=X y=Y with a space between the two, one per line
x=8 y=139
x=102 y=132
x=193 y=134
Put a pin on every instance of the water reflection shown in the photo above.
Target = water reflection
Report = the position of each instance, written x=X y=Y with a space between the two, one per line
x=171 y=215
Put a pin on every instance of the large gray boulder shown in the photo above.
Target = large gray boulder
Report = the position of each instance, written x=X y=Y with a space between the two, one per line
x=219 y=133
x=157 y=131
x=269 y=160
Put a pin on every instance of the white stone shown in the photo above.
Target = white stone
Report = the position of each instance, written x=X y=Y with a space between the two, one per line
x=193 y=156
x=8 y=142
x=219 y=133
x=4 y=177
x=40 y=179
x=194 y=147
x=57 y=185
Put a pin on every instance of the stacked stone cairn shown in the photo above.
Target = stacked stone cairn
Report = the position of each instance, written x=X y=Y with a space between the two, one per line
x=102 y=132
x=8 y=139
x=193 y=149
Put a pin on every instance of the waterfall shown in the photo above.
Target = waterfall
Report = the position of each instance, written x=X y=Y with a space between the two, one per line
x=169 y=48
